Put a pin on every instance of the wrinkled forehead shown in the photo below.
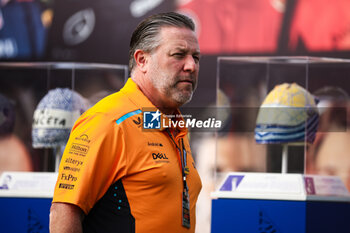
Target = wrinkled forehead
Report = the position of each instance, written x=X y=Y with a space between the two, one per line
x=179 y=37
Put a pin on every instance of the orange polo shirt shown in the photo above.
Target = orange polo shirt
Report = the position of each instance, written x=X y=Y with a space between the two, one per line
x=125 y=178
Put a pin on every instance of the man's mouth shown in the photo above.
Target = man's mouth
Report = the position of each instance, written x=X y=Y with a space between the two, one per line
x=186 y=81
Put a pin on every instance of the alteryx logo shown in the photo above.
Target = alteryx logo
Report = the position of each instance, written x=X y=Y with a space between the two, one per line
x=152 y=120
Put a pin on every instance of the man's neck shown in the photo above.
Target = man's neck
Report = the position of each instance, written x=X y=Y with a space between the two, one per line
x=148 y=90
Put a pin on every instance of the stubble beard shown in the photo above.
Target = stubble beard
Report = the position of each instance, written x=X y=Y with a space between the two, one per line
x=171 y=90
x=182 y=98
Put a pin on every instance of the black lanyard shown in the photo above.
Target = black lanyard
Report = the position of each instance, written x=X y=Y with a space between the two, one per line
x=183 y=159
x=186 y=222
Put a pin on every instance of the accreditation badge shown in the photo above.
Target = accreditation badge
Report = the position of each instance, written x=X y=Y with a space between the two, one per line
x=186 y=209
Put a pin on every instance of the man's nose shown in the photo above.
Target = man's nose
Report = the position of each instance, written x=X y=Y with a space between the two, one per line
x=190 y=64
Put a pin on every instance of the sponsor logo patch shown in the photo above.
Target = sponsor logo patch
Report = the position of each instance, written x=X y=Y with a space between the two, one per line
x=69 y=177
x=78 y=149
x=138 y=122
x=66 y=186
x=84 y=138
x=73 y=169
x=154 y=144
x=74 y=161
x=160 y=158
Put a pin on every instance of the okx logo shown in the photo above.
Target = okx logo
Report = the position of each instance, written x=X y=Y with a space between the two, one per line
x=151 y=119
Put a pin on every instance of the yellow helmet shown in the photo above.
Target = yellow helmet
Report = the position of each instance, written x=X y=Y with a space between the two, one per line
x=287 y=115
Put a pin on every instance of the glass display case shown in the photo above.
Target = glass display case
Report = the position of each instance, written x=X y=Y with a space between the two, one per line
x=280 y=109
x=284 y=145
x=39 y=103
x=49 y=96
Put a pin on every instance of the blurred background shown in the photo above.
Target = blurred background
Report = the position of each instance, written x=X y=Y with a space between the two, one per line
x=99 y=31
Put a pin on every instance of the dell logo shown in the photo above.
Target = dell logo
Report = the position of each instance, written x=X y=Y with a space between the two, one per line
x=159 y=156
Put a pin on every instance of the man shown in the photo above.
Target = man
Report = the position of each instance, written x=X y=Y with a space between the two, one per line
x=14 y=155
x=116 y=176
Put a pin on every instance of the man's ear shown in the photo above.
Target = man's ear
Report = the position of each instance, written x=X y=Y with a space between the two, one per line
x=141 y=58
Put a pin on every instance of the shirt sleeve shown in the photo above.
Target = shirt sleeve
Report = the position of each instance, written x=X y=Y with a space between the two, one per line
x=93 y=160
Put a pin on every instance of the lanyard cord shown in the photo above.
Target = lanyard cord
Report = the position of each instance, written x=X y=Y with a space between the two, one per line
x=185 y=195
x=183 y=159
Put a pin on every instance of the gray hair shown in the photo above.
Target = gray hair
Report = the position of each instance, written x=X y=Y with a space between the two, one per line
x=145 y=36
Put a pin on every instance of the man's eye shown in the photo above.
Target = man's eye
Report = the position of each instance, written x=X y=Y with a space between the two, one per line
x=178 y=55
x=196 y=58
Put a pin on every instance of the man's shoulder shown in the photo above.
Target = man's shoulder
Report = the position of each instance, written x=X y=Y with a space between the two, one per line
x=113 y=106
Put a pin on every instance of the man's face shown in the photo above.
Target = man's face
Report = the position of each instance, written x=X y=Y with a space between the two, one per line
x=333 y=156
x=173 y=66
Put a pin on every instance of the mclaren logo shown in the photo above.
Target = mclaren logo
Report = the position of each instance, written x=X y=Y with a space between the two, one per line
x=138 y=122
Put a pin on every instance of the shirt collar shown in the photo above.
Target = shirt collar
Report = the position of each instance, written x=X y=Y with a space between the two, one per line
x=135 y=95
x=142 y=102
